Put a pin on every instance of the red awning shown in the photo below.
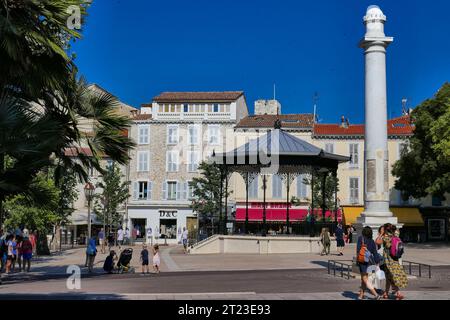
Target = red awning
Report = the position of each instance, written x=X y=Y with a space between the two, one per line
x=279 y=214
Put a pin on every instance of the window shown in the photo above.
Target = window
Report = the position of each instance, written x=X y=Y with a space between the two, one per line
x=171 y=190
x=301 y=187
x=354 y=190
x=190 y=191
x=142 y=190
x=143 y=134
x=109 y=164
x=253 y=189
x=193 y=134
x=329 y=147
x=213 y=135
x=185 y=108
x=277 y=186
x=354 y=161
x=172 y=161
x=192 y=161
x=172 y=134
x=216 y=108
x=143 y=161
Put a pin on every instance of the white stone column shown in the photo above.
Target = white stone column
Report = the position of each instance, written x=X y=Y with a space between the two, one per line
x=376 y=160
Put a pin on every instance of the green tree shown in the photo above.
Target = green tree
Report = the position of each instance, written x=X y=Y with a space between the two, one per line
x=36 y=209
x=114 y=193
x=206 y=193
x=330 y=184
x=42 y=104
x=425 y=168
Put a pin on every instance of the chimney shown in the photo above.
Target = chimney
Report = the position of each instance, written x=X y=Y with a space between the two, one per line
x=263 y=107
x=347 y=122
x=343 y=122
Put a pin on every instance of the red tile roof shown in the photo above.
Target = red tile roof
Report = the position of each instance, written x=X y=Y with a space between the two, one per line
x=142 y=117
x=396 y=126
x=74 y=152
x=268 y=121
x=225 y=96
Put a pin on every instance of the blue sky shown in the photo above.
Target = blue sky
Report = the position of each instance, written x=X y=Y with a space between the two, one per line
x=139 y=48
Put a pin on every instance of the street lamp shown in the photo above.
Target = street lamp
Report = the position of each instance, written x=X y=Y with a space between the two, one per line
x=89 y=189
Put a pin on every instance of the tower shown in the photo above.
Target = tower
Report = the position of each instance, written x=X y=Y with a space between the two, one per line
x=376 y=160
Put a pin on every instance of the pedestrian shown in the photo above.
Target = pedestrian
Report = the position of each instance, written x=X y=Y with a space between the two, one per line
x=101 y=240
x=12 y=253
x=184 y=237
x=33 y=240
x=395 y=274
x=156 y=259
x=19 y=252
x=127 y=237
x=120 y=235
x=26 y=232
x=3 y=250
x=110 y=241
x=339 y=234
x=350 y=233
x=144 y=259
x=366 y=252
x=91 y=252
x=325 y=239
x=109 y=264
x=133 y=235
x=27 y=252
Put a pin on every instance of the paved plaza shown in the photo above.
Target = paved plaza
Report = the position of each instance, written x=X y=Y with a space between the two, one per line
x=238 y=277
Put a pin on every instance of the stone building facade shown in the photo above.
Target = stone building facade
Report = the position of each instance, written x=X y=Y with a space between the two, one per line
x=173 y=134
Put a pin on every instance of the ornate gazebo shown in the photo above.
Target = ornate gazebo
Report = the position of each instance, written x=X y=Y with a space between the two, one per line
x=280 y=153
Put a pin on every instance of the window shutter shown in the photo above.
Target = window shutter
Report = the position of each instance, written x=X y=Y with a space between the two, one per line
x=185 y=188
x=135 y=190
x=164 y=191
x=175 y=160
x=149 y=190
x=167 y=160
x=178 y=191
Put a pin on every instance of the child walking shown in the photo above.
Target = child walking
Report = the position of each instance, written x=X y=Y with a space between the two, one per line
x=144 y=259
x=156 y=259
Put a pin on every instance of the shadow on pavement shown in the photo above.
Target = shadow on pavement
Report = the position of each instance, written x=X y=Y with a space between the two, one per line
x=350 y=295
x=61 y=296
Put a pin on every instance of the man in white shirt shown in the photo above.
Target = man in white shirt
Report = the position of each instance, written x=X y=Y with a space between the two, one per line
x=184 y=237
x=120 y=237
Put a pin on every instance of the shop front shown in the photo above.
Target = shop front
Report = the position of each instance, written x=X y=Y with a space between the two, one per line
x=413 y=224
x=276 y=215
x=160 y=225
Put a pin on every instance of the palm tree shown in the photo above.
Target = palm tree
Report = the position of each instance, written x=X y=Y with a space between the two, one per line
x=42 y=101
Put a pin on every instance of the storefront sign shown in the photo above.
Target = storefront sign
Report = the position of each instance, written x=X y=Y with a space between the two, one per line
x=167 y=214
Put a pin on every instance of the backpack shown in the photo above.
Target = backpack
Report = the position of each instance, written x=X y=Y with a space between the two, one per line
x=397 y=248
x=364 y=254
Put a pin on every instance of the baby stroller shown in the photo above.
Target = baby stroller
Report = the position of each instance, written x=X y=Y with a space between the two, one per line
x=123 y=265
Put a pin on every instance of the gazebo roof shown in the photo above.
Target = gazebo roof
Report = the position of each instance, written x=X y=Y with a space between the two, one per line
x=287 y=145
x=289 y=149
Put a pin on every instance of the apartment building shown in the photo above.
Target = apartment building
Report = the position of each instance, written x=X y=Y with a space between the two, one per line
x=174 y=134
x=76 y=230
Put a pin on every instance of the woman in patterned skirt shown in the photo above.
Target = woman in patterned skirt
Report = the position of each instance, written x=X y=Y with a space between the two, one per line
x=395 y=274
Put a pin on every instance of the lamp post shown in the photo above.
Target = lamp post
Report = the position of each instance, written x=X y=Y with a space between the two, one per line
x=89 y=189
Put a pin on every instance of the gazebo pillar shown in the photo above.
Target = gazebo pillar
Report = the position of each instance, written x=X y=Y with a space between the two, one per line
x=264 y=203
x=225 y=229
x=220 y=200
x=335 y=196
x=246 y=202
x=324 y=182
x=288 y=184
